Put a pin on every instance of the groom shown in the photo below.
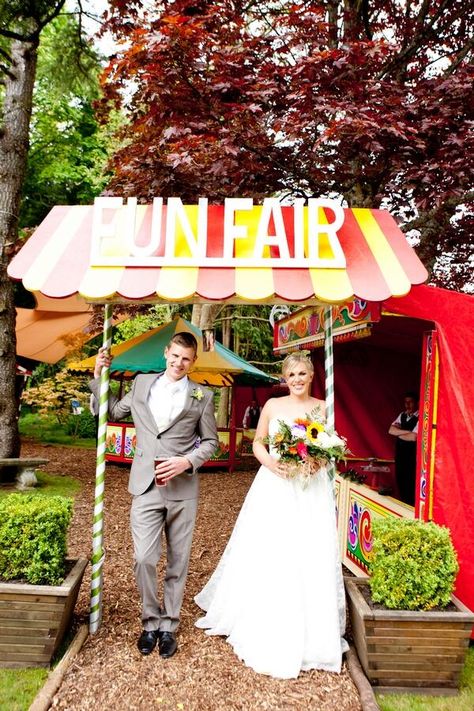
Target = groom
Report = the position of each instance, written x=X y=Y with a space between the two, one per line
x=175 y=423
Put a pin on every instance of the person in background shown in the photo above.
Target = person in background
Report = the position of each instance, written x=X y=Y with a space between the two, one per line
x=405 y=429
x=251 y=415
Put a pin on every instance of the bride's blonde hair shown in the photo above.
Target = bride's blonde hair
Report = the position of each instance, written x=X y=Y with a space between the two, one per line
x=293 y=359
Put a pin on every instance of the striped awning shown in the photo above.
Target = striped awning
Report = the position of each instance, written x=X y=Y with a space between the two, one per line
x=379 y=263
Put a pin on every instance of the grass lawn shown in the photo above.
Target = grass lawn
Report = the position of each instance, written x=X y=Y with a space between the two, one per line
x=18 y=687
x=464 y=701
x=49 y=431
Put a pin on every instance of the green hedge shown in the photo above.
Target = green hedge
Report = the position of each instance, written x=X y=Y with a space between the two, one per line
x=33 y=537
x=413 y=565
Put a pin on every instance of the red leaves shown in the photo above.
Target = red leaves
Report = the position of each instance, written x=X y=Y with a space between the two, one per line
x=287 y=98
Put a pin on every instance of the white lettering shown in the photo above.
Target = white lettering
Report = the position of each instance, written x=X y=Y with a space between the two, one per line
x=155 y=232
x=271 y=208
x=101 y=231
x=196 y=243
x=231 y=230
x=298 y=227
x=316 y=228
x=183 y=241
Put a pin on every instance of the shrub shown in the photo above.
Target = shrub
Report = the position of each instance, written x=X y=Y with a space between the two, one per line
x=413 y=564
x=83 y=425
x=33 y=537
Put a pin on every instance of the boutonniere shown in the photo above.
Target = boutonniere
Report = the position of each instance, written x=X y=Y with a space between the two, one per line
x=197 y=394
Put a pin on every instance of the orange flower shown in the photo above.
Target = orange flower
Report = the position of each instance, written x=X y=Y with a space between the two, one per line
x=302 y=421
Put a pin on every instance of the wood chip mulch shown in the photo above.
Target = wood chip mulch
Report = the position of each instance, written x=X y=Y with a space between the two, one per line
x=204 y=675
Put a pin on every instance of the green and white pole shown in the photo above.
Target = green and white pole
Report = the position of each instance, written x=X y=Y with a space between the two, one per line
x=98 y=553
x=329 y=373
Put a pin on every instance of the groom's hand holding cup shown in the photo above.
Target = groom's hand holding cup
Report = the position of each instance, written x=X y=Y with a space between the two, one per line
x=161 y=477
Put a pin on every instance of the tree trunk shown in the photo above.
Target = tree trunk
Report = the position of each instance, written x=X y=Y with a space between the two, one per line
x=13 y=154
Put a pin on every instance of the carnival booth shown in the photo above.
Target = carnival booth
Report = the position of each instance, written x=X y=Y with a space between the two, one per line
x=422 y=342
x=313 y=252
x=219 y=367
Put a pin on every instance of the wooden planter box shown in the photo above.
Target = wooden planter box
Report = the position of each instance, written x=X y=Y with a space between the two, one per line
x=406 y=651
x=34 y=619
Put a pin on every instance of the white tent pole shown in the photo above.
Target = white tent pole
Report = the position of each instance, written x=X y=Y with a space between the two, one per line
x=98 y=553
x=329 y=373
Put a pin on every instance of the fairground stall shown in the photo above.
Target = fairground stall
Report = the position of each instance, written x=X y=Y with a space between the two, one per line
x=423 y=342
x=220 y=367
x=312 y=252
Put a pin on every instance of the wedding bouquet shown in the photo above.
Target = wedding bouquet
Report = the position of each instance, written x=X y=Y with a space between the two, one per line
x=306 y=445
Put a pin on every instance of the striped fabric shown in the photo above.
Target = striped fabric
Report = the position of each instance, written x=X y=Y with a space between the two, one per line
x=379 y=263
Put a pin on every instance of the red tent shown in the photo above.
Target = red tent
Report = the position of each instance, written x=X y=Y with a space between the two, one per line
x=372 y=375
x=453 y=492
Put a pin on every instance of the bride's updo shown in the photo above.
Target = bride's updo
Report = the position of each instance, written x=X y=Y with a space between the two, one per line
x=294 y=359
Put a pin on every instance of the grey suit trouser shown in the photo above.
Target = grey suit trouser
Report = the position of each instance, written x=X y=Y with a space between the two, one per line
x=150 y=514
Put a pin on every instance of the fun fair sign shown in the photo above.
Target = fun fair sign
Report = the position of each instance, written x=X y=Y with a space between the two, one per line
x=237 y=234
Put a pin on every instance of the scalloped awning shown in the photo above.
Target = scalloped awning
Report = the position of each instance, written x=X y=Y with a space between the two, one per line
x=379 y=264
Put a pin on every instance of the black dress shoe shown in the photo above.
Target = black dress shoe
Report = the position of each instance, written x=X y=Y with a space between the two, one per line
x=147 y=641
x=167 y=644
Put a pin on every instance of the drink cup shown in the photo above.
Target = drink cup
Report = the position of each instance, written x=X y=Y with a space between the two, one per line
x=159 y=482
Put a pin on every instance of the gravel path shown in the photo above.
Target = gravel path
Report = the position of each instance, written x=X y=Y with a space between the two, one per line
x=205 y=675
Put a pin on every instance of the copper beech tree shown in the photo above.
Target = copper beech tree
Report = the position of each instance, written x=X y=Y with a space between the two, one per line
x=365 y=100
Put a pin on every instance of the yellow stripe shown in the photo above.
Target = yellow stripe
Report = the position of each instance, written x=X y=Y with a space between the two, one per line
x=434 y=421
x=331 y=285
x=384 y=255
x=177 y=283
x=251 y=284
x=45 y=261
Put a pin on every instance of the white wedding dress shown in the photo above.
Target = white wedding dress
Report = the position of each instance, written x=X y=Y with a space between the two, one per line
x=277 y=593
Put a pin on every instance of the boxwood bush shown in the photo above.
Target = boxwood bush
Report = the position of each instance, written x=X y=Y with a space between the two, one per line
x=33 y=537
x=413 y=566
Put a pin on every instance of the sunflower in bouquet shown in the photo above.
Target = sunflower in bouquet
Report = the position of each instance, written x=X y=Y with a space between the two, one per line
x=307 y=444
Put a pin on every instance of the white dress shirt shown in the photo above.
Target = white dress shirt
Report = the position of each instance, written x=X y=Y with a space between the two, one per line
x=166 y=399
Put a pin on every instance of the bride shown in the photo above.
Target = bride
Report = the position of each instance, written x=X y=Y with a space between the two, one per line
x=277 y=593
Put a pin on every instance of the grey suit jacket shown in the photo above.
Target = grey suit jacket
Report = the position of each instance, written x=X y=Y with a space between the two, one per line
x=180 y=438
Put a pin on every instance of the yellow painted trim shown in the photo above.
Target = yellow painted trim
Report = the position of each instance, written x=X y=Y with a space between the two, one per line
x=177 y=283
x=434 y=421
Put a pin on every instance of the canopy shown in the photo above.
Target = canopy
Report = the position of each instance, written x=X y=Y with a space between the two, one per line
x=379 y=263
x=45 y=333
x=145 y=354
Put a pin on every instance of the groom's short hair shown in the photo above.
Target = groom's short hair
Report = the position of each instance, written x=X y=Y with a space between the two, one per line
x=185 y=339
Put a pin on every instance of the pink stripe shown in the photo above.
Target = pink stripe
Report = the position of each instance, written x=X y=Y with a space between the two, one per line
x=27 y=255
x=216 y=283
x=293 y=284
x=67 y=273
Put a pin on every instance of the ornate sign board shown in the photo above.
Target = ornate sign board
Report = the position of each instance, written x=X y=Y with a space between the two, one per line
x=236 y=234
x=305 y=328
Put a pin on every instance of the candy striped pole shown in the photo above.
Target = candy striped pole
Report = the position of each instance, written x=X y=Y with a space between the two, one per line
x=329 y=372
x=98 y=553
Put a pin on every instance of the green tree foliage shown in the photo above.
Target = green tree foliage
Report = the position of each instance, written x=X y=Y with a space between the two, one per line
x=53 y=395
x=68 y=148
